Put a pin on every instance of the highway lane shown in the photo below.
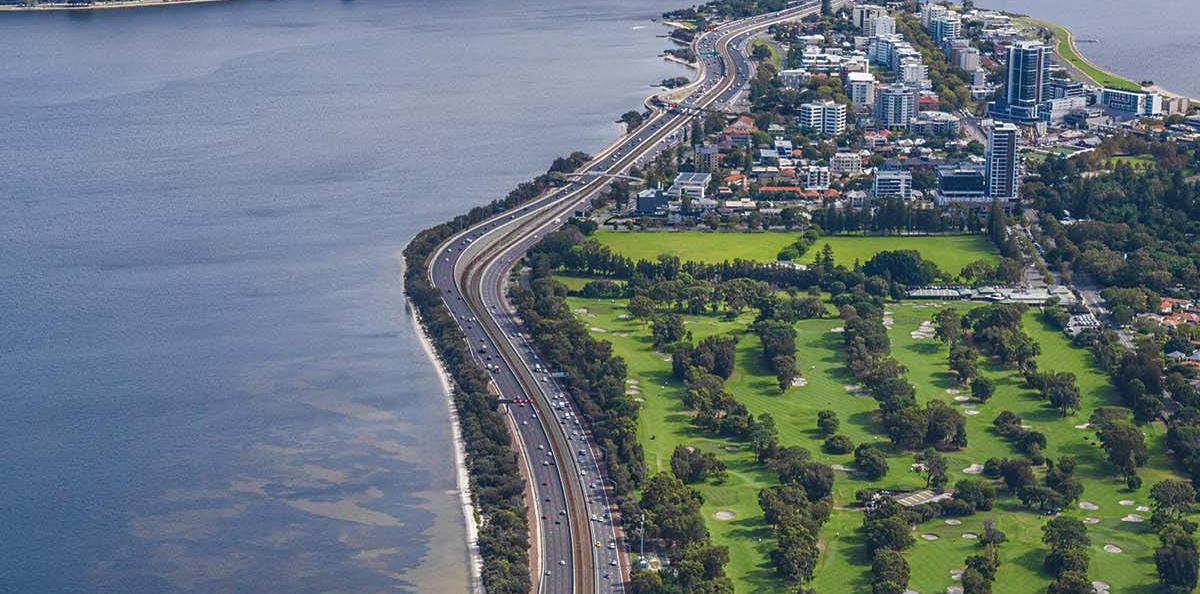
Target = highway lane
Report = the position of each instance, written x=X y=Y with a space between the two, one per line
x=565 y=478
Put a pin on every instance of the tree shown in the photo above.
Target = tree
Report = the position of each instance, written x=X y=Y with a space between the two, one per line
x=935 y=469
x=889 y=566
x=668 y=329
x=1064 y=533
x=1071 y=582
x=891 y=532
x=786 y=370
x=641 y=307
x=1063 y=392
x=827 y=422
x=1173 y=500
x=672 y=511
x=982 y=389
x=838 y=444
x=870 y=461
x=1124 y=444
x=1177 y=566
x=978 y=493
x=947 y=326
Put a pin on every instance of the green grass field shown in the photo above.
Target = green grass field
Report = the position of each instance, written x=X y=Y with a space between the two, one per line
x=950 y=252
x=843 y=566
x=776 y=60
x=702 y=246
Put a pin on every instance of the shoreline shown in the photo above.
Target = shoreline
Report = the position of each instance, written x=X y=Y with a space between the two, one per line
x=1089 y=71
x=57 y=7
x=462 y=477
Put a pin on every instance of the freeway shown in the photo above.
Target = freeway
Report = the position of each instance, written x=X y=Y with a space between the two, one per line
x=576 y=541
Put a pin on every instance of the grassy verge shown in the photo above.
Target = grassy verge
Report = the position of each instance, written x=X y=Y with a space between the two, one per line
x=776 y=59
x=664 y=423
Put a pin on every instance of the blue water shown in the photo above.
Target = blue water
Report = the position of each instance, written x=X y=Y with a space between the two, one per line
x=1140 y=40
x=209 y=381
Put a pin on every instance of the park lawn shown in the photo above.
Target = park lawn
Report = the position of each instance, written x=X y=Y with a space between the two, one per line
x=775 y=60
x=664 y=423
x=700 y=246
x=951 y=253
x=1142 y=161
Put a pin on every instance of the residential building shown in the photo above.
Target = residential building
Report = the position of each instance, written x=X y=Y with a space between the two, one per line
x=1001 y=162
x=967 y=59
x=865 y=13
x=963 y=185
x=846 y=163
x=945 y=27
x=915 y=74
x=794 y=78
x=826 y=117
x=860 y=87
x=936 y=123
x=1139 y=103
x=895 y=106
x=817 y=178
x=1028 y=74
x=708 y=158
x=741 y=132
x=880 y=25
x=892 y=183
x=1176 y=105
x=692 y=185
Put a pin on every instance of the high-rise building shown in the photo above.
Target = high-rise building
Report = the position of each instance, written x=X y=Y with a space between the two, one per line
x=880 y=25
x=945 y=27
x=1136 y=102
x=1025 y=85
x=826 y=117
x=1001 y=165
x=860 y=87
x=895 y=106
x=863 y=13
x=915 y=73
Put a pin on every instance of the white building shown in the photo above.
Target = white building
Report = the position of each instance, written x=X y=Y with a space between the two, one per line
x=916 y=74
x=1136 y=102
x=860 y=87
x=864 y=13
x=880 y=25
x=817 y=178
x=895 y=106
x=846 y=163
x=794 y=78
x=692 y=185
x=826 y=117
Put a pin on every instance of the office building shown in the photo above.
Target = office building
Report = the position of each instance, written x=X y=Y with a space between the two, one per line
x=1059 y=88
x=691 y=185
x=1138 y=103
x=846 y=163
x=1025 y=84
x=964 y=185
x=895 y=106
x=826 y=117
x=860 y=87
x=892 y=183
x=1001 y=163
x=816 y=178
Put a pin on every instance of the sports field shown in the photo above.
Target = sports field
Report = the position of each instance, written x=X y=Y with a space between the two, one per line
x=950 y=252
x=664 y=424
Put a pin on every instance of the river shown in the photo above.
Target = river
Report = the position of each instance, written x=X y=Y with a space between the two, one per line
x=1139 y=40
x=209 y=379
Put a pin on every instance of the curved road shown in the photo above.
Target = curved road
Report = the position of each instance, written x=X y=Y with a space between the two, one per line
x=578 y=546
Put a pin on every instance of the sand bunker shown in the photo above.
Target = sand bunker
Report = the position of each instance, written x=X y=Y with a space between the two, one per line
x=799 y=382
x=580 y=310
x=1088 y=505
x=724 y=515
x=1142 y=508
x=1100 y=587
x=838 y=330
x=958 y=398
x=971 y=411
x=911 y=592
x=953 y=391
x=623 y=317
x=953 y=522
x=974 y=469
x=1134 y=518
x=954 y=590
x=956 y=574
x=731 y=448
x=595 y=329
x=930 y=537
x=970 y=535
x=888 y=321
x=1111 y=548
x=1126 y=502
x=639 y=399
x=1091 y=520
x=632 y=381
x=840 y=467
x=1084 y=426
x=621 y=334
